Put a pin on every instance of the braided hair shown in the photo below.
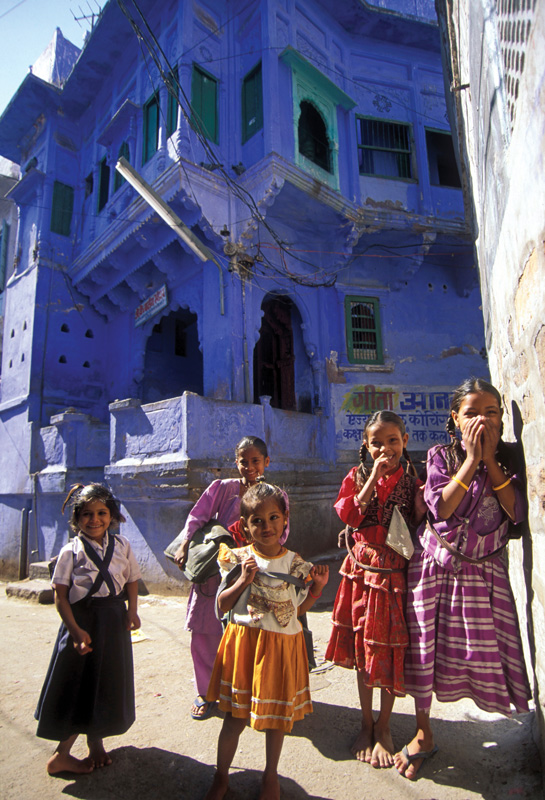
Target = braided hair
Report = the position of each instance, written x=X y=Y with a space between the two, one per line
x=81 y=494
x=455 y=455
x=380 y=417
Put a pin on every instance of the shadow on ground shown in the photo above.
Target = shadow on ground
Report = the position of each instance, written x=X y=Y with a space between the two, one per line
x=150 y=773
x=490 y=756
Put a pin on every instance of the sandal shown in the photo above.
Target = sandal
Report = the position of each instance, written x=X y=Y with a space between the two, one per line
x=414 y=757
x=199 y=703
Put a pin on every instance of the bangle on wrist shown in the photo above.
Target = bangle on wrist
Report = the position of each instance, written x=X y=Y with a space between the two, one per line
x=460 y=483
x=502 y=485
x=314 y=596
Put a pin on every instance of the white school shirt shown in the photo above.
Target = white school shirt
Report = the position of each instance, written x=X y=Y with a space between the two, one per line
x=76 y=570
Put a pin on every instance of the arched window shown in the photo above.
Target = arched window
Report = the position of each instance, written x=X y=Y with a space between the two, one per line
x=119 y=180
x=313 y=141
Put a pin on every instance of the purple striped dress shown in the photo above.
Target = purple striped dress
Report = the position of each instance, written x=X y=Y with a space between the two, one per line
x=463 y=627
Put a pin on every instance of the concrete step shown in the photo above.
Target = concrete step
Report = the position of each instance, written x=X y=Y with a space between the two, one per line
x=35 y=590
x=39 y=570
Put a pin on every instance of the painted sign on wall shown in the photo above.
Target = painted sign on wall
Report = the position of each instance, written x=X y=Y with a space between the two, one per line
x=423 y=410
x=151 y=306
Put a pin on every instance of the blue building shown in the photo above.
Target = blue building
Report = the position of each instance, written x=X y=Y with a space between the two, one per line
x=316 y=264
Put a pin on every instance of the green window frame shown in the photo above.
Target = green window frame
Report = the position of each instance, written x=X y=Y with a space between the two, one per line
x=385 y=148
x=124 y=152
x=204 y=103
x=151 y=128
x=103 y=184
x=172 y=107
x=252 y=103
x=62 y=207
x=363 y=331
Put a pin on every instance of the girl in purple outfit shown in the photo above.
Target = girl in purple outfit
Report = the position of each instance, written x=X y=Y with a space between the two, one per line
x=463 y=628
x=221 y=502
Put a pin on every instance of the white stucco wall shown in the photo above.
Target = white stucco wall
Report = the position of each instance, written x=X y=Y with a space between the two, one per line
x=506 y=154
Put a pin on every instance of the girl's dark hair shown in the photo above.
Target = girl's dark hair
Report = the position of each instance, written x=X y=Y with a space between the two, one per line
x=381 y=418
x=455 y=455
x=251 y=441
x=257 y=494
x=81 y=494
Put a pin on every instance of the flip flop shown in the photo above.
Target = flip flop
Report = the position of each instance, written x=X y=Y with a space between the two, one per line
x=414 y=757
x=199 y=704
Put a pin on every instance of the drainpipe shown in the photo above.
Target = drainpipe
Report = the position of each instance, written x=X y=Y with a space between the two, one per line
x=23 y=545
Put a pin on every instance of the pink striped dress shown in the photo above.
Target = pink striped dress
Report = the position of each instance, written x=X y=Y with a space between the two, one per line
x=463 y=628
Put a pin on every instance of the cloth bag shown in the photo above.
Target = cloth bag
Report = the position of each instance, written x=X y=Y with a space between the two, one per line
x=203 y=551
x=399 y=536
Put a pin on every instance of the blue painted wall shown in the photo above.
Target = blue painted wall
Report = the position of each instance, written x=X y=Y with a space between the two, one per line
x=279 y=225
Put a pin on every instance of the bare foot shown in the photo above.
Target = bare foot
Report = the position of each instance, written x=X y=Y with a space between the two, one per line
x=409 y=768
x=363 y=746
x=383 y=751
x=219 y=787
x=270 y=788
x=61 y=762
x=98 y=754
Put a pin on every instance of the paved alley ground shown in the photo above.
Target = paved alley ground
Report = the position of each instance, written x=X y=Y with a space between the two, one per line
x=168 y=755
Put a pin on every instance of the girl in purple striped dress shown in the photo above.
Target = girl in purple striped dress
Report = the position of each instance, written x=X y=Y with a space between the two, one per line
x=463 y=628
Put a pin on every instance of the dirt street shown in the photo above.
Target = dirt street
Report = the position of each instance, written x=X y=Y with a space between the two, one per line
x=168 y=755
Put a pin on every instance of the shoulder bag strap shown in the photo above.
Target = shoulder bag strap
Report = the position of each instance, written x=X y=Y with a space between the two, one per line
x=233 y=574
x=383 y=570
x=453 y=551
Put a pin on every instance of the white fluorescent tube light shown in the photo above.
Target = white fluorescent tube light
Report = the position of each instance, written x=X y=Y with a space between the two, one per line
x=165 y=212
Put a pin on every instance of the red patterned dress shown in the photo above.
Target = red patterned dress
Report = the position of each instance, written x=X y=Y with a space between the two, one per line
x=369 y=631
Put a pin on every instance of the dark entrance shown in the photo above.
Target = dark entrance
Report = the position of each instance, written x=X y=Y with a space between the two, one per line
x=274 y=357
x=173 y=362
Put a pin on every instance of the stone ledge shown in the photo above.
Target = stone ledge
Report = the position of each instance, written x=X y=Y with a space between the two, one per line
x=37 y=591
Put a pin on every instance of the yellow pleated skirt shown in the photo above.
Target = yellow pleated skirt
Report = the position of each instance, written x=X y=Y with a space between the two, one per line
x=263 y=676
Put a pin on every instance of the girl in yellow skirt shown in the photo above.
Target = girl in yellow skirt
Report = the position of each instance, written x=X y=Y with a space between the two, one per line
x=261 y=670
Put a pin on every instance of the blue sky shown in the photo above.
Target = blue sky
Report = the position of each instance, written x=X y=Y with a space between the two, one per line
x=27 y=27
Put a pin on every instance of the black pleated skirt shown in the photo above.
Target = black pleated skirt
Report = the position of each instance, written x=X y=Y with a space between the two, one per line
x=93 y=693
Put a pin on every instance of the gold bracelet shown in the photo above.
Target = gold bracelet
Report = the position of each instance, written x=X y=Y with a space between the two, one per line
x=459 y=482
x=502 y=486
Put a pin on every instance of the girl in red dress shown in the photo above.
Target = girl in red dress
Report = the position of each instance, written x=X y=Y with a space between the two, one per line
x=369 y=632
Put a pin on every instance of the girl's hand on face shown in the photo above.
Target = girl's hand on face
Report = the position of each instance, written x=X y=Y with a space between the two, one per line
x=490 y=439
x=472 y=436
x=249 y=570
x=381 y=466
x=320 y=575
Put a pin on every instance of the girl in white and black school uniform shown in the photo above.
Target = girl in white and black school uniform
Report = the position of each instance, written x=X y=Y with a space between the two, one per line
x=89 y=686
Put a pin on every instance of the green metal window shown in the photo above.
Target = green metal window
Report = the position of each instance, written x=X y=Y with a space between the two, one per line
x=252 y=103
x=363 y=335
x=384 y=148
x=204 y=103
x=151 y=128
x=62 y=208
x=172 y=108
x=103 y=183
x=4 y=234
x=124 y=151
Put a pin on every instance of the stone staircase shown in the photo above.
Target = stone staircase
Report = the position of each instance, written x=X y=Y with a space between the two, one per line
x=36 y=588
